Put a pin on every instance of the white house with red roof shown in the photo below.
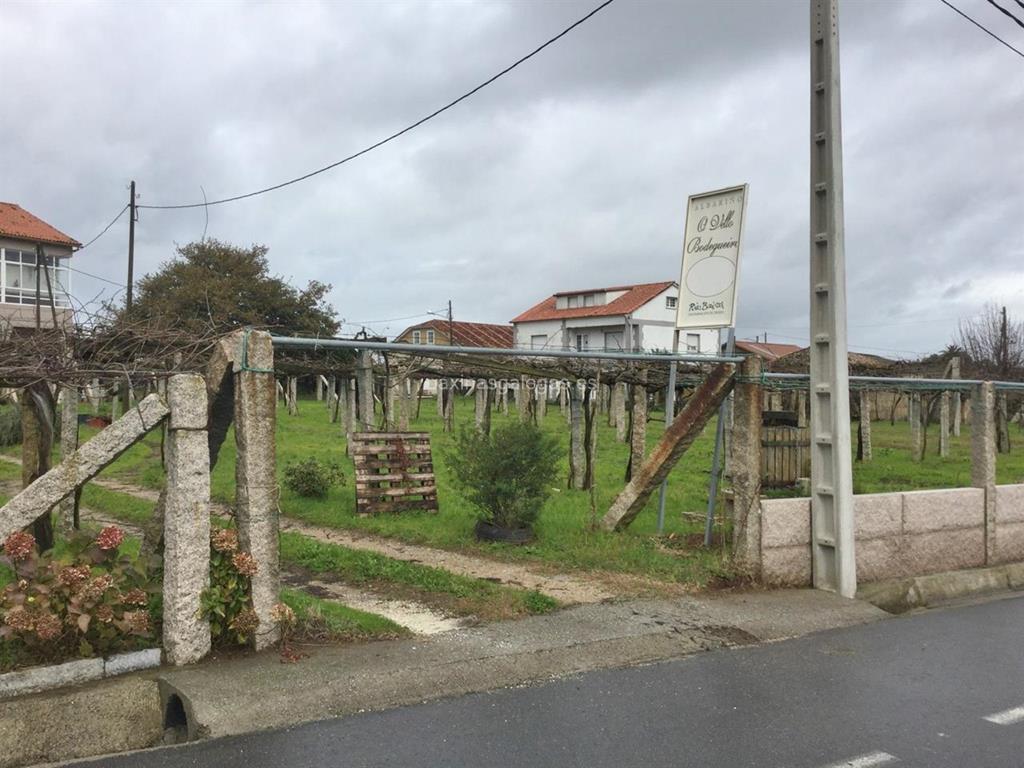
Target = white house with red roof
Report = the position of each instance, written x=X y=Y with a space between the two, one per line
x=27 y=243
x=622 y=318
x=463 y=334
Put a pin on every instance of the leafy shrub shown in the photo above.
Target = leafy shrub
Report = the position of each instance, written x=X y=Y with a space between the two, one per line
x=312 y=478
x=90 y=600
x=10 y=425
x=227 y=602
x=507 y=475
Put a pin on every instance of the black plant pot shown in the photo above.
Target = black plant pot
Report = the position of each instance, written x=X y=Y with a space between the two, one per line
x=489 y=532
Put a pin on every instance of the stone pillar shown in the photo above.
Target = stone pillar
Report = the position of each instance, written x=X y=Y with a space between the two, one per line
x=483 y=407
x=187 y=520
x=332 y=398
x=68 y=445
x=1002 y=424
x=365 y=389
x=916 y=433
x=256 y=479
x=542 y=401
x=449 y=406
x=319 y=386
x=392 y=409
x=503 y=396
x=404 y=404
x=944 y=424
x=341 y=405
x=954 y=373
x=638 y=430
x=563 y=401
x=801 y=411
x=619 y=412
x=577 y=452
x=523 y=400
x=440 y=399
x=746 y=466
x=293 y=395
x=983 y=458
x=94 y=396
x=351 y=415
x=865 y=423
x=115 y=406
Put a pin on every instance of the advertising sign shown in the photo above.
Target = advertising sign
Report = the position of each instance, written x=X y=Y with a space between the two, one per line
x=711 y=259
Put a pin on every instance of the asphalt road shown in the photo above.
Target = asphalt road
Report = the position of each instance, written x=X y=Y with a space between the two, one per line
x=943 y=688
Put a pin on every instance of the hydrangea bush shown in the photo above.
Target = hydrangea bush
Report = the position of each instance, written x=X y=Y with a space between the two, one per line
x=88 y=600
x=228 y=601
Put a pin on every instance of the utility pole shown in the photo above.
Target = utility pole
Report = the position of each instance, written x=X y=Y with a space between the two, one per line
x=1004 y=348
x=131 y=247
x=451 y=336
x=832 y=532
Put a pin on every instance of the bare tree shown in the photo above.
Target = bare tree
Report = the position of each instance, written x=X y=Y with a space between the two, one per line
x=994 y=345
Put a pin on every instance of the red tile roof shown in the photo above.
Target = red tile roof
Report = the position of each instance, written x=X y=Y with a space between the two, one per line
x=635 y=296
x=18 y=223
x=467 y=334
x=766 y=350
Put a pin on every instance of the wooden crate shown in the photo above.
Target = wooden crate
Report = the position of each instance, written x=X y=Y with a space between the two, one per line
x=394 y=472
x=785 y=455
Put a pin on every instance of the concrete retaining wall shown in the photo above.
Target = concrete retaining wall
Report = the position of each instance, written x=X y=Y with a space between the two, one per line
x=898 y=534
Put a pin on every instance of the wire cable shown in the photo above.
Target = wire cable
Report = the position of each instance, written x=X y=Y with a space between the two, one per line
x=395 y=135
x=112 y=223
x=96 y=277
x=984 y=29
x=1006 y=12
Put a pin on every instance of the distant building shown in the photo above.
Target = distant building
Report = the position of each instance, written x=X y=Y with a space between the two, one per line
x=623 y=318
x=26 y=244
x=463 y=334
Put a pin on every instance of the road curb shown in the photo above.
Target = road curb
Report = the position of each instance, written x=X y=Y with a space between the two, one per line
x=902 y=595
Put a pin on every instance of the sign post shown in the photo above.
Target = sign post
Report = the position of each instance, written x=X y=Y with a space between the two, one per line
x=707 y=294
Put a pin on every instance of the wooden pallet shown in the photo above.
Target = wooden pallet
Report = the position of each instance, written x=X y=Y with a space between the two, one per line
x=394 y=472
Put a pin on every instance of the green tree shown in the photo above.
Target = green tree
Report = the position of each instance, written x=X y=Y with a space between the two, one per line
x=218 y=286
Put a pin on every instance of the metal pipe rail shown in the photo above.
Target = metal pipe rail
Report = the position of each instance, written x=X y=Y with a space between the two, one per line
x=908 y=382
x=428 y=350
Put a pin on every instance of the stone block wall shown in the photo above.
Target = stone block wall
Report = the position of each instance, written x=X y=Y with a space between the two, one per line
x=897 y=534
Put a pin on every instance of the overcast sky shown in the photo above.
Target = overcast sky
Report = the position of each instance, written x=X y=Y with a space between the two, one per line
x=570 y=172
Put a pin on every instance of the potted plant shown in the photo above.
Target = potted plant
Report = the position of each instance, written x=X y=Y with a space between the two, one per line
x=507 y=476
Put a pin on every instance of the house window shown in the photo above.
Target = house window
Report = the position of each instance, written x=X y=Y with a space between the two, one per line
x=582 y=341
x=18 y=278
x=693 y=342
x=430 y=337
x=538 y=341
x=415 y=337
x=588 y=300
x=574 y=302
x=613 y=341
x=670 y=302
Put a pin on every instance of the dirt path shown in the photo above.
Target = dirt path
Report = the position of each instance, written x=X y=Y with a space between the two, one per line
x=565 y=589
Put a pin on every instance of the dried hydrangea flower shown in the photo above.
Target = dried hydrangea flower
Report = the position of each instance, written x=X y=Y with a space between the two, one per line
x=19 y=619
x=19 y=546
x=105 y=614
x=224 y=539
x=244 y=563
x=283 y=614
x=73 y=576
x=48 y=626
x=110 y=538
x=99 y=584
x=136 y=597
x=138 y=622
x=245 y=622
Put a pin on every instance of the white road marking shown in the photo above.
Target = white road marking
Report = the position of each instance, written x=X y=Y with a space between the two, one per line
x=1007 y=716
x=865 y=761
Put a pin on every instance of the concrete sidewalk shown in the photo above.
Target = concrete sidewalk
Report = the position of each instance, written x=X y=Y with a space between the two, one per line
x=258 y=692
x=255 y=692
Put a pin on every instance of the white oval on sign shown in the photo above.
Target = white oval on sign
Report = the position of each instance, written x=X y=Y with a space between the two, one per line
x=710 y=276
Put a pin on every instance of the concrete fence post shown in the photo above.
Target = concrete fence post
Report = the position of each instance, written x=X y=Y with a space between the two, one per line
x=186 y=634
x=944 y=424
x=68 y=445
x=256 y=478
x=983 y=457
x=916 y=433
x=746 y=466
x=865 y=425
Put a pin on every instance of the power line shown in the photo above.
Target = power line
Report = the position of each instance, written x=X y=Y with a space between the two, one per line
x=395 y=135
x=96 y=277
x=101 y=234
x=984 y=29
x=1006 y=12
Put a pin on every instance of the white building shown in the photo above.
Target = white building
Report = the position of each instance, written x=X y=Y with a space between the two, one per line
x=626 y=318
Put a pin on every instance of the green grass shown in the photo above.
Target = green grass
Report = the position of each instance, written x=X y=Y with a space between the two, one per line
x=338 y=622
x=461 y=595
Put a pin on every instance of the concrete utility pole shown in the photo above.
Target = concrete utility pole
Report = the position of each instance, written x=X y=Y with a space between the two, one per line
x=131 y=249
x=834 y=566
